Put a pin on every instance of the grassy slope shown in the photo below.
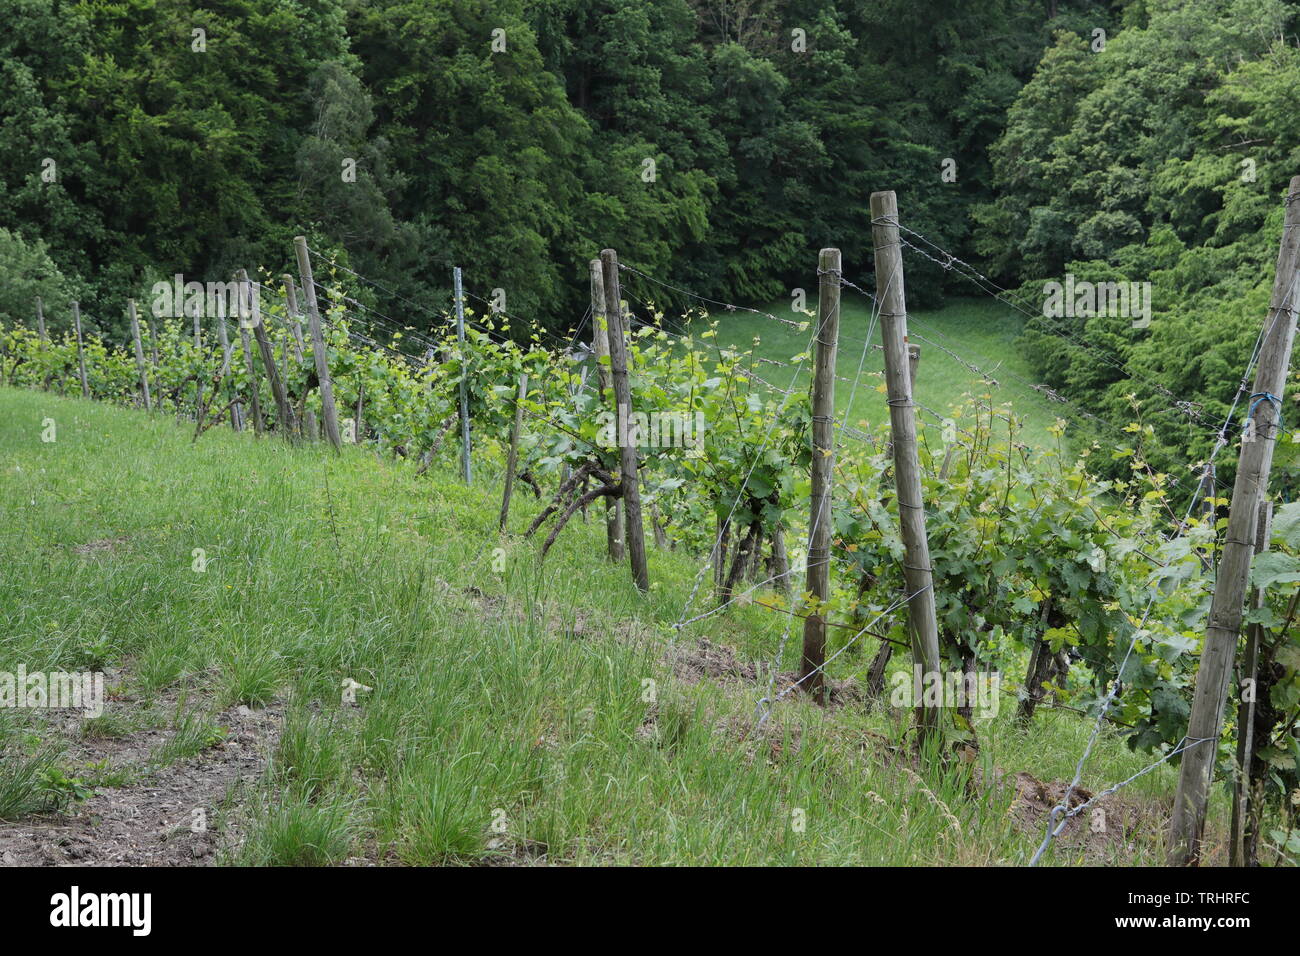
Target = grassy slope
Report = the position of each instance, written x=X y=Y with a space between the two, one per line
x=981 y=331
x=519 y=690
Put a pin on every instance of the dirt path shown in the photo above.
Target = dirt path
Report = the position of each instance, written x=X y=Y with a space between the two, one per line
x=163 y=813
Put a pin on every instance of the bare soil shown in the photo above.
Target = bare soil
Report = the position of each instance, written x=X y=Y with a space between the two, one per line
x=173 y=814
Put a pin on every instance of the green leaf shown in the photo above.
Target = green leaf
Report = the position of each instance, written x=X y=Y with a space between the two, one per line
x=1274 y=567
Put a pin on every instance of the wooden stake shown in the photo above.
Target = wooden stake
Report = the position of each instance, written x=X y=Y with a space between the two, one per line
x=250 y=368
x=635 y=530
x=236 y=407
x=780 y=561
x=153 y=342
x=823 y=470
x=81 y=355
x=464 y=375
x=661 y=536
x=307 y=426
x=326 y=386
x=1207 y=493
x=44 y=338
x=1242 y=802
x=513 y=458
x=921 y=615
x=604 y=382
x=198 y=351
x=139 y=355
x=283 y=408
x=1187 y=827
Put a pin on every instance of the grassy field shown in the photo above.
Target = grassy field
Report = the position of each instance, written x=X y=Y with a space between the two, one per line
x=981 y=331
x=515 y=713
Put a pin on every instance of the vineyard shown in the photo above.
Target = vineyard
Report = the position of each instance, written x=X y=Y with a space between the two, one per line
x=445 y=501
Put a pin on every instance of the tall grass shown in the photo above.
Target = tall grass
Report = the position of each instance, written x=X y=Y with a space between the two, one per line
x=506 y=719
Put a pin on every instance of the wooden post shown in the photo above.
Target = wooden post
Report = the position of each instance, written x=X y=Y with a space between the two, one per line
x=464 y=374
x=153 y=342
x=139 y=354
x=44 y=338
x=818 y=581
x=1207 y=493
x=661 y=536
x=921 y=616
x=1242 y=800
x=513 y=458
x=198 y=351
x=1187 y=827
x=283 y=410
x=250 y=370
x=600 y=348
x=358 y=425
x=780 y=561
x=328 y=410
x=81 y=356
x=635 y=529
x=1205 y=490
x=308 y=426
x=236 y=409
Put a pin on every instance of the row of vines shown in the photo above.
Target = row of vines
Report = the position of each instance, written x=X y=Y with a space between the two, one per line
x=1034 y=558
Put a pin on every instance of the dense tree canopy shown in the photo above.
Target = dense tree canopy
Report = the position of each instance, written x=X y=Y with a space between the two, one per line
x=718 y=143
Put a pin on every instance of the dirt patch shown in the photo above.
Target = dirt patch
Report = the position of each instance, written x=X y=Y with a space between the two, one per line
x=93 y=549
x=706 y=660
x=168 y=815
x=1115 y=825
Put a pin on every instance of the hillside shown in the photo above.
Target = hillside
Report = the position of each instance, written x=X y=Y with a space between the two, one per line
x=982 y=332
x=499 y=692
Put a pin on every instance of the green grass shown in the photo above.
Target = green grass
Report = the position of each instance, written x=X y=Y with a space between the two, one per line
x=506 y=718
x=982 y=332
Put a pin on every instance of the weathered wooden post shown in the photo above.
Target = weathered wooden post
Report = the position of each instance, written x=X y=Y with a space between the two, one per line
x=780 y=561
x=818 y=581
x=318 y=349
x=139 y=355
x=921 y=615
x=604 y=383
x=308 y=426
x=44 y=338
x=358 y=424
x=153 y=341
x=1224 y=625
x=885 y=652
x=631 y=490
x=464 y=374
x=250 y=372
x=1243 y=807
x=81 y=355
x=251 y=299
x=236 y=407
x=198 y=359
x=513 y=458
